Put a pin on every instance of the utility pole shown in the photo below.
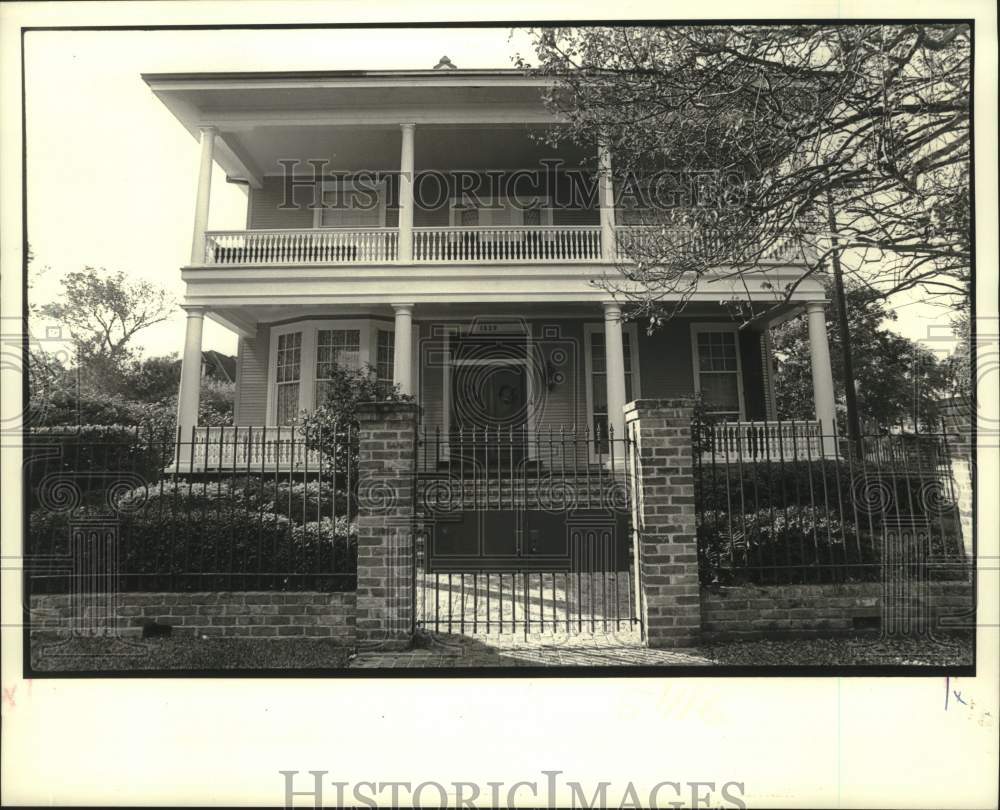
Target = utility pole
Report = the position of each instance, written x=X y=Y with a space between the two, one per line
x=850 y=395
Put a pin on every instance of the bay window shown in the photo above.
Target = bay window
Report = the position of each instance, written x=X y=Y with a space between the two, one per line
x=304 y=354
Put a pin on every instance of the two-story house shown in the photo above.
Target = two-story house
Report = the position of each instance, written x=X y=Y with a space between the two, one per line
x=388 y=224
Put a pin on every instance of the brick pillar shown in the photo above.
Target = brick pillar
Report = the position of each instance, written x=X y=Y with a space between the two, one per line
x=386 y=451
x=664 y=516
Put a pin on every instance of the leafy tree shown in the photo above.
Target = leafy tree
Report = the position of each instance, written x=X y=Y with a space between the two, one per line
x=103 y=311
x=735 y=139
x=106 y=383
x=897 y=380
x=152 y=379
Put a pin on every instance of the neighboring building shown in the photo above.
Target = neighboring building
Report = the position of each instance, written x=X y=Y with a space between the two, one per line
x=218 y=366
x=487 y=313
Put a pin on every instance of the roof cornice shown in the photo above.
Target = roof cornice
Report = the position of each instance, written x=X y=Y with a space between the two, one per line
x=339 y=77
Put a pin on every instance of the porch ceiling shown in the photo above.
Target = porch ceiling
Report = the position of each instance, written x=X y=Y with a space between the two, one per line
x=377 y=147
x=354 y=117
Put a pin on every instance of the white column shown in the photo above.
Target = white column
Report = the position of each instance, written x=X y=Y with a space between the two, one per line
x=402 y=348
x=204 y=195
x=190 y=389
x=822 y=372
x=406 y=195
x=614 y=363
x=606 y=201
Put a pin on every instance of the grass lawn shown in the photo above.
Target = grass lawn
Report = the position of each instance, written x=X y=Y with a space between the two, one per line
x=952 y=650
x=186 y=653
x=286 y=655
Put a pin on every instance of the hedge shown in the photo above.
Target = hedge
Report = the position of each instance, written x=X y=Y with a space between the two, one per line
x=188 y=537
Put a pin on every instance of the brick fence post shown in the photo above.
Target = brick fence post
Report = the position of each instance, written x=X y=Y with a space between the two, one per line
x=664 y=517
x=387 y=436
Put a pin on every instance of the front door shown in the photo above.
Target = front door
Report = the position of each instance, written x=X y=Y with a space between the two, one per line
x=489 y=411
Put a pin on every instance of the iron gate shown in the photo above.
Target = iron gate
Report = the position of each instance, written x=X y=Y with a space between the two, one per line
x=524 y=531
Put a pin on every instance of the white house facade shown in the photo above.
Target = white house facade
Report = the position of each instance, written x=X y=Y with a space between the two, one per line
x=487 y=309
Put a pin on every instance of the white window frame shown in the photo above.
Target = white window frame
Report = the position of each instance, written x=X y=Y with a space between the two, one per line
x=310 y=328
x=307 y=381
x=457 y=206
x=589 y=330
x=345 y=186
x=273 y=386
x=698 y=328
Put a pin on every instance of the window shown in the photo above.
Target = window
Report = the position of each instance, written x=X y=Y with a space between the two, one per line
x=497 y=212
x=384 y=357
x=335 y=347
x=599 y=383
x=346 y=205
x=288 y=369
x=717 y=371
x=304 y=354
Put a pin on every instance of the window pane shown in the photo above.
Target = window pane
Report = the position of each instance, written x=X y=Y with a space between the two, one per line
x=717 y=351
x=721 y=392
x=385 y=354
x=288 y=403
x=289 y=357
x=597 y=352
x=337 y=346
x=600 y=389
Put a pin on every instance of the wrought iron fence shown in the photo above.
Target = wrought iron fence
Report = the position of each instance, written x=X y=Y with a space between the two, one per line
x=246 y=509
x=793 y=504
x=523 y=531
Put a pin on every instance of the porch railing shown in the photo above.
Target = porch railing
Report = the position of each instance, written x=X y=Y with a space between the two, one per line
x=632 y=239
x=313 y=246
x=507 y=244
x=511 y=244
x=214 y=448
x=762 y=440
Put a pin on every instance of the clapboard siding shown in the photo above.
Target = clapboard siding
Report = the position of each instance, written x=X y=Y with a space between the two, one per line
x=264 y=213
x=576 y=216
x=251 y=380
x=767 y=372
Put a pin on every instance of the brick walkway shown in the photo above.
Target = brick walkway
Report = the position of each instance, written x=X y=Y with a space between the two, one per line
x=448 y=651
x=539 y=604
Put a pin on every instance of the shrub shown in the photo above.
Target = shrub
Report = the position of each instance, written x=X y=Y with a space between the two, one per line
x=89 y=458
x=206 y=550
x=802 y=544
x=330 y=427
x=185 y=536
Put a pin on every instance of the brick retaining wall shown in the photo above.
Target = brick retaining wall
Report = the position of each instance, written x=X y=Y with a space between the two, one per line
x=227 y=614
x=804 y=611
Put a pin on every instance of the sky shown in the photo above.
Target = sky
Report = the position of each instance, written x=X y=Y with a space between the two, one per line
x=112 y=174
